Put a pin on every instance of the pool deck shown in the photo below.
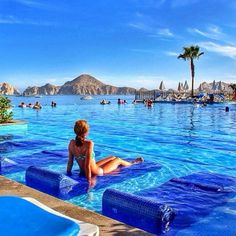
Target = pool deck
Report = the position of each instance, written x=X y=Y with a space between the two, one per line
x=14 y=122
x=106 y=225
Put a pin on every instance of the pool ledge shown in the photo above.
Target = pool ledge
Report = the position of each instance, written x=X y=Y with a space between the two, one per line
x=14 y=122
x=106 y=225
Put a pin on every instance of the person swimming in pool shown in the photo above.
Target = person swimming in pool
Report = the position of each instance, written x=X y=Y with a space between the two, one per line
x=82 y=151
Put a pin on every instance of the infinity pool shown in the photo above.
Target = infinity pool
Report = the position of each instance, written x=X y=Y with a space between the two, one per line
x=181 y=137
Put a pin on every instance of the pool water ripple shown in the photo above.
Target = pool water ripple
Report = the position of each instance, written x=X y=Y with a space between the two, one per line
x=182 y=138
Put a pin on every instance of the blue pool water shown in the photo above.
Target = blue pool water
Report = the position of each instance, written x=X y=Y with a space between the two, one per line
x=181 y=137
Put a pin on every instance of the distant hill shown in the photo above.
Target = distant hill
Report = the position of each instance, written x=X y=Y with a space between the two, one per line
x=47 y=89
x=84 y=84
x=207 y=87
x=8 y=89
x=88 y=85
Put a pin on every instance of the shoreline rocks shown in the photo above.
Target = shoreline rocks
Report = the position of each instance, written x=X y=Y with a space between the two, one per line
x=8 y=89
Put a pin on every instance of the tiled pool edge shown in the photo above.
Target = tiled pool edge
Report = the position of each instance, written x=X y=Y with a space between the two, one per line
x=106 y=225
x=14 y=122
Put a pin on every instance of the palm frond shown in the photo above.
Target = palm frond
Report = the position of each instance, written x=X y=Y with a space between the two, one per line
x=233 y=86
x=181 y=56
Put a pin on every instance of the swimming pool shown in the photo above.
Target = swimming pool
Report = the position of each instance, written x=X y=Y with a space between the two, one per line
x=181 y=137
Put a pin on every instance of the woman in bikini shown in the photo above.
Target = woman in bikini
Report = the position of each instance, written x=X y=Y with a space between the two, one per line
x=82 y=151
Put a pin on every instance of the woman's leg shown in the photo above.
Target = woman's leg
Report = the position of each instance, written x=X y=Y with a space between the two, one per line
x=105 y=160
x=114 y=164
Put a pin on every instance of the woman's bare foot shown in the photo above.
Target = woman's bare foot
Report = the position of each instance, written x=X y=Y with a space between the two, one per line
x=138 y=160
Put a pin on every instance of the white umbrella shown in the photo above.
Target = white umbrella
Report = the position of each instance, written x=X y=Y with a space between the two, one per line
x=162 y=86
x=186 y=87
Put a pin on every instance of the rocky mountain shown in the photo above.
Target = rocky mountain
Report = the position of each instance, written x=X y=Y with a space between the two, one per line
x=207 y=87
x=7 y=89
x=84 y=84
x=47 y=89
x=88 y=85
x=143 y=90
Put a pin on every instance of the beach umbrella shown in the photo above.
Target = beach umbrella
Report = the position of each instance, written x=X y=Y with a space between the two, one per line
x=220 y=86
x=200 y=88
x=180 y=87
x=162 y=86
x=186 y=87
x=214 y=87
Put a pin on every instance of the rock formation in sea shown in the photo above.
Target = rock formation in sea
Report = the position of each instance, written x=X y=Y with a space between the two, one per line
x=8 y=89
x=47 y=89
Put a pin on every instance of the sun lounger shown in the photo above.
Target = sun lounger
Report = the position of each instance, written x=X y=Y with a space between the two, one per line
x=65 y=187
x=186 y=200
x=27 y=216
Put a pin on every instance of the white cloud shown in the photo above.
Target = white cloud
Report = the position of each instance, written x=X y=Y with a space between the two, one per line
x=225 y=50
x=143 y=51
x=14 y=20
x=152 y=31
x=182 y=3
x=165 y=32
x=172 y=54
x=212 y=32
x=9 y=20
x=31 y=4
x=139 y=26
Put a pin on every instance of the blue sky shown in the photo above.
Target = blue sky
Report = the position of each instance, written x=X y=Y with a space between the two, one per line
x=120 y=42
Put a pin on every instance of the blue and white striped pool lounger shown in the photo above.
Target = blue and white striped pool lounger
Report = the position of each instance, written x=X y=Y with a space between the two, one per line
x=27 y=216
x=173 y=206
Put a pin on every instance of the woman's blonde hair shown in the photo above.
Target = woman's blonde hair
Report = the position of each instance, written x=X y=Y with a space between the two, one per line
x=81 y=127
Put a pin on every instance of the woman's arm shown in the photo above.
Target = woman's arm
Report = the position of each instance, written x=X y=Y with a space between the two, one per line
x=88 y=161
x=70 y=160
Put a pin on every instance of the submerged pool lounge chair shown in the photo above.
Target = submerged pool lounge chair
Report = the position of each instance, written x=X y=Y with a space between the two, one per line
x=28 y=217
x=65 y=187
x=173 y=206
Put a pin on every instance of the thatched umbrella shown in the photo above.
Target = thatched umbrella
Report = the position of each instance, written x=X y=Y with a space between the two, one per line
x=180 y=87
x=162 y=86
x=200 y=89
x=186 y=87
x=214 y=87
x=220 y=86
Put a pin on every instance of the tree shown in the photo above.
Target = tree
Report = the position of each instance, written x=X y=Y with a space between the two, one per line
x=233 y=86
x=191 y=53
x=5 y=114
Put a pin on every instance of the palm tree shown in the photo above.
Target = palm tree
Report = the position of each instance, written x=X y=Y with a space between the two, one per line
x=233 y=86
x=191 y=53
